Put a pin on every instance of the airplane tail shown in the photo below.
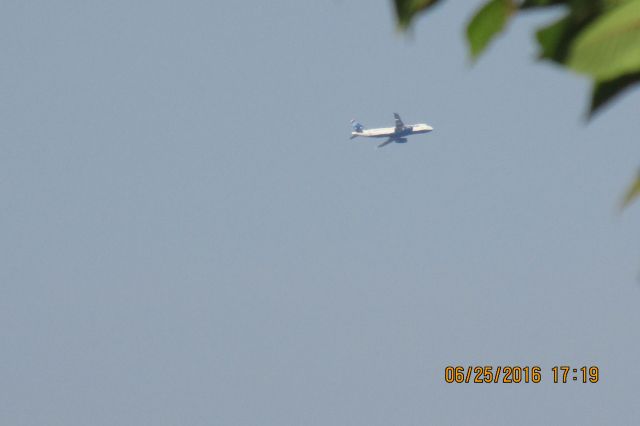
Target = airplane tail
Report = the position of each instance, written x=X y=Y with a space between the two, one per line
x=357 y=128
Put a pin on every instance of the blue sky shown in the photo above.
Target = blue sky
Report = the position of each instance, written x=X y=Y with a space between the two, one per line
x=191 y=238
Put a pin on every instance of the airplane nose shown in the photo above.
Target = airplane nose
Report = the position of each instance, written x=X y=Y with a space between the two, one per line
x=429 y=128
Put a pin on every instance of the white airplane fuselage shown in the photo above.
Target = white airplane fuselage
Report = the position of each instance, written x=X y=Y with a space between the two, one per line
x=385 y=132
x=396 y=134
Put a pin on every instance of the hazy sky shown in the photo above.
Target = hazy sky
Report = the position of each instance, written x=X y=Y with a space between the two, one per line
x=189 y=237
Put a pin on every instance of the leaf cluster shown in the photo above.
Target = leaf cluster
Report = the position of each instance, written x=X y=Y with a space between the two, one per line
x=597 y=38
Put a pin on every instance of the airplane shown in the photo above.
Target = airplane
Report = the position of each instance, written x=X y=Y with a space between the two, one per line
x=394 y=134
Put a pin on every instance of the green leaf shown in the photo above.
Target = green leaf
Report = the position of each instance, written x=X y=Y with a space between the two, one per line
x=406 y=10
x=605 y=91
x=529 y=4
x=555 y=39
x=613 y=3
x=488 y=22
x=632 y=192
x=610 y=46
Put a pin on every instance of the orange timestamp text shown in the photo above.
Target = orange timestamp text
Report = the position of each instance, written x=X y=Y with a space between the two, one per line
x=519 y=374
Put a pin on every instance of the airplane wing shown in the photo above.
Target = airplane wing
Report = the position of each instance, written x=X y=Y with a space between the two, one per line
x=399 y=123
x=387 y=142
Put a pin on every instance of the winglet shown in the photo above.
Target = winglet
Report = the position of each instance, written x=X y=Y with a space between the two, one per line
x=399 y=123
